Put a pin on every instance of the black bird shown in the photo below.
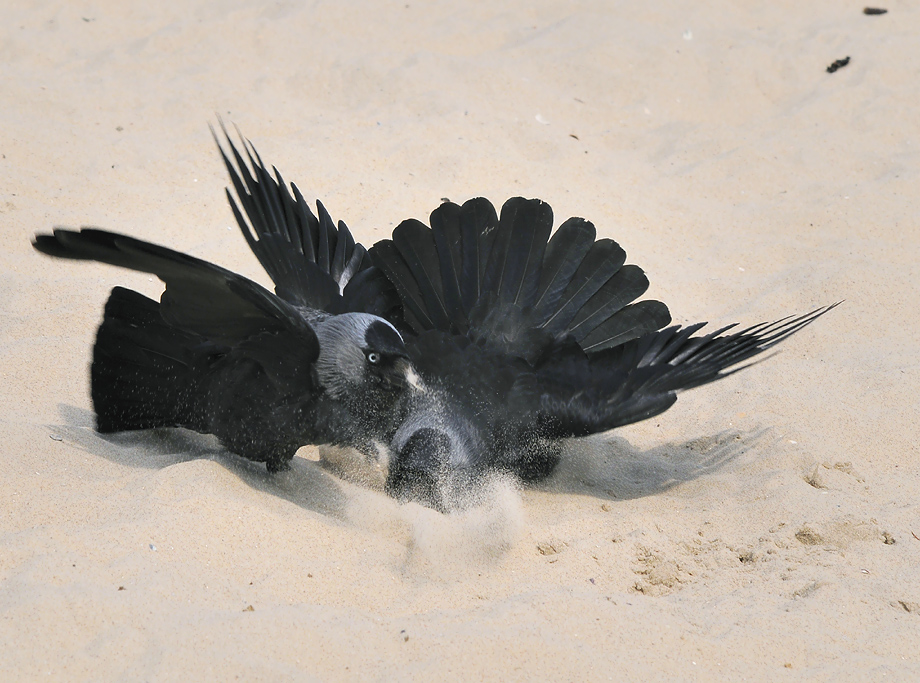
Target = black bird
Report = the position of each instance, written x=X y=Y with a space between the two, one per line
x=266 y=373
x=526 y=339
x=477 y=344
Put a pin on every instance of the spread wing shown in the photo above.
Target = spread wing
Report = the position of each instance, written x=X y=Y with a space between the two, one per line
x=576 y=394
x=313 y=262
x=200 y=297
x=219 y=353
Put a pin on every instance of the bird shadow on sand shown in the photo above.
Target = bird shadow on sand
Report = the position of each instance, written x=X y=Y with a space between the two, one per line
x=605 y=467
x=611 y=468
x=306 y=484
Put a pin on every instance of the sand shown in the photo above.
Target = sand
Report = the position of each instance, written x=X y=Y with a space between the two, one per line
x=765 y=528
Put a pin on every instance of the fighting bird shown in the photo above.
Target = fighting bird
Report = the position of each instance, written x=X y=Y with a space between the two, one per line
x=314 y=363
x=477 y=343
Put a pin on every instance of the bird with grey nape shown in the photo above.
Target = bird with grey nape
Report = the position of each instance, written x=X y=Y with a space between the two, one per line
x=314 y=363
x=476 y=345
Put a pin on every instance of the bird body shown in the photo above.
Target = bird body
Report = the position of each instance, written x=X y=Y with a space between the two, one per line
x=477 y=343
x=219 y=354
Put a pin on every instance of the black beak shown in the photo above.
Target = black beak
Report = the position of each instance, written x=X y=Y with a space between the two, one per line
x=400 y=374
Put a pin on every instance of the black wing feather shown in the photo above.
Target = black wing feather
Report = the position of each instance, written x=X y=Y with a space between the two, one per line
x=310 y=259
x=309 y=227
x=273 y=240
x=200 y=297
x=585 y=394
x=326 y=235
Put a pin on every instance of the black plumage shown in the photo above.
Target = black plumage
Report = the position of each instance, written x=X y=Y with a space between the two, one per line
x=513 y=338
x=266 y=373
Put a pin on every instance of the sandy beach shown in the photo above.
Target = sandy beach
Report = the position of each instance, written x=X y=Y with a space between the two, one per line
x=766 y=528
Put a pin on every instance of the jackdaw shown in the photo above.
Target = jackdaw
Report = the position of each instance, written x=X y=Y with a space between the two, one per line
x=315 y=363
x=525 y=338
x=476 y=345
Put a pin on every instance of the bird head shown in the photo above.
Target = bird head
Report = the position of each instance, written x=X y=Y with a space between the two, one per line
x=436 y=451
x=362 y=357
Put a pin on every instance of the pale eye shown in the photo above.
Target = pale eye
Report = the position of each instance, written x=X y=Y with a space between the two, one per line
x=373 y=358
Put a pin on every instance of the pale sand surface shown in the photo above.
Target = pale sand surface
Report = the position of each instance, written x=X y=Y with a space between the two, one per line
x=739 y=536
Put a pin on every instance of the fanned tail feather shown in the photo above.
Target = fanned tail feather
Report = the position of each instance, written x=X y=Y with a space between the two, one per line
x=626 y=324
x=625 y=286
x=416 y=245
x=448 y=240
x=478 y=225
x=513 y=271
x=564 y=253
x=603 y=260
x=388 y=259
x=506 y=281
x=142 y=375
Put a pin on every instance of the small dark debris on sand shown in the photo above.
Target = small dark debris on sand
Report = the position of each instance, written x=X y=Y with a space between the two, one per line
x=874 y=11
x=839 y=64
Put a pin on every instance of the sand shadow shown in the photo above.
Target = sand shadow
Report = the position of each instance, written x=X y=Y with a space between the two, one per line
x=603 y=466
x=611 y=468
x=306 y=484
